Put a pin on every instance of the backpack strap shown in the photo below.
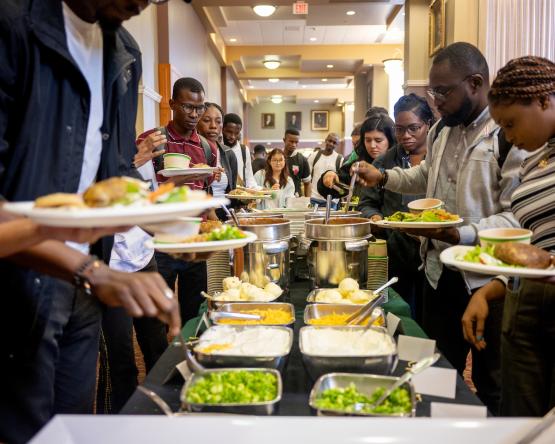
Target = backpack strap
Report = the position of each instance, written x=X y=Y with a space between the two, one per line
x=439 y=127
x=504 y=148
x=209 y=156
x=338 y=160
x=244 y=156
x=316 y=158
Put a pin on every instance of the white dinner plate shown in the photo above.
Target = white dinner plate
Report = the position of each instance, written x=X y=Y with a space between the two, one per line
x=172 y=172
x=449 y=258
x=265 y=196
x=202 y=247
x=416 y=225
x=112 y=216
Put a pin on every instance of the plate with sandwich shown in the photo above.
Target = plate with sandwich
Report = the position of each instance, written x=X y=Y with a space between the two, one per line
x=506 y=258
x=186 y=236
x=118 y=201
x=242 y=193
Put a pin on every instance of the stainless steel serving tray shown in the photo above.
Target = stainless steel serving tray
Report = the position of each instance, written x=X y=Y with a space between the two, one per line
x=339 y=229
x=215 y=360
x=214 y=305
x=366 y=384
x=242 y=306
x=318 y=365
x=317 y=310
x=311 y=298
x=259 y=408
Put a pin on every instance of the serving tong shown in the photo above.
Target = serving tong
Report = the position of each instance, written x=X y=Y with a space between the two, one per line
x=368 y=309
x=351 y=186
x=417 y=368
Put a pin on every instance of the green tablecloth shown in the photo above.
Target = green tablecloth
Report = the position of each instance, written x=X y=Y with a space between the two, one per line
x=299 y=290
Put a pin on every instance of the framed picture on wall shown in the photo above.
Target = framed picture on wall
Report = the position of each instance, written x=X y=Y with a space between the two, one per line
x=320 y=120
x=268 y=120
x=436 y=28
x=293 y=120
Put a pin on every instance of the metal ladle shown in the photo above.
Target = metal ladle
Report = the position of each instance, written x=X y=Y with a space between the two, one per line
x=417 y=368
x=328 y=209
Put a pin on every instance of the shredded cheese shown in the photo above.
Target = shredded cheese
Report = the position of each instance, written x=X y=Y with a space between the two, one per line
x=269 y=317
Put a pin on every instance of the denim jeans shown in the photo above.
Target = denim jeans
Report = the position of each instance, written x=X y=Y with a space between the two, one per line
x=58 y=373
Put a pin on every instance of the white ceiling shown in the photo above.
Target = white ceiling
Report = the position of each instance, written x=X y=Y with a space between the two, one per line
x=302 y=84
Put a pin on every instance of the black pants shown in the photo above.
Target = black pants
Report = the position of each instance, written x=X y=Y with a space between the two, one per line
x=443 y=309
x=118 y=371
x=57 y=374
x=528 y=350
x=192 y=280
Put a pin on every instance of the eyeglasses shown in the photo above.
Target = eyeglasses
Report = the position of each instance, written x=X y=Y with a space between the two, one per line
x=188 y=108
x=411 y=129
x=277 y=160
x=441 y=93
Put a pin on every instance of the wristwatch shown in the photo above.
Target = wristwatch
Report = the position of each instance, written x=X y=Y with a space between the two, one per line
x=81 y=275
x=383 y=180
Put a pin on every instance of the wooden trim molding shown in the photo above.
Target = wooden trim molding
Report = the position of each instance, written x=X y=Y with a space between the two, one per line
x=164 y=88
x=150 y=93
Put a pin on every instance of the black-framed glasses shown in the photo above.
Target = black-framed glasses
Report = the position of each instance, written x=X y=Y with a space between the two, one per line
x=188 y=108
x=441 y=93
x=411 y=129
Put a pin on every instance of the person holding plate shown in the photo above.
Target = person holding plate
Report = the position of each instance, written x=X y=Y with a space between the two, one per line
x=275 y=177
x=522 y=102
x=473 y=170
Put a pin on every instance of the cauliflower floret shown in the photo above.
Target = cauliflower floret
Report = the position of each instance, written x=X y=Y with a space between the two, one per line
x=229 y=295
x=329 y=296
x=246 y=290
x=274 y=289
x=231 y=282
x=348 y=285
x=359 y=297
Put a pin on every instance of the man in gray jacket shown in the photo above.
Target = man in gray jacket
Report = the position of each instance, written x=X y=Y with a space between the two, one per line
x=473 y=171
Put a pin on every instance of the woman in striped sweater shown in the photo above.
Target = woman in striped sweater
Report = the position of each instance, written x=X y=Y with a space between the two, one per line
x=522 y=102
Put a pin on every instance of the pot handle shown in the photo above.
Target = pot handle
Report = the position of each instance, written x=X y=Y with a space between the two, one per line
x=275 y=247
x=358 y=245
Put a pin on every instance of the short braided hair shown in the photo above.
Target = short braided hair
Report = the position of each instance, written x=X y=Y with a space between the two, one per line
x=522 y=80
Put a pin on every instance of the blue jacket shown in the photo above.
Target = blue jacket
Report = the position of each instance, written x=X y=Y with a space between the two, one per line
x=44 y=107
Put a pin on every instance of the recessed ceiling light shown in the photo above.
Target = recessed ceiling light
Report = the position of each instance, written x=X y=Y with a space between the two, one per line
x=273 y=80
x=350 y=13
x=277 y=99
x=329 y=66
x=313 y=39
x=251 y=86
x=271 y=63
x=324 y=80
x=233 y=40
x=303 y=86
x=264 y=10
x=316 y=101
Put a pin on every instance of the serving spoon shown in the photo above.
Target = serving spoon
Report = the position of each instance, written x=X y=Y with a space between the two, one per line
x=368 y=308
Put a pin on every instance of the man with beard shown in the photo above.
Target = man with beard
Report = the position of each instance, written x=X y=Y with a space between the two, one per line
x=68 y=101
x=473 y=170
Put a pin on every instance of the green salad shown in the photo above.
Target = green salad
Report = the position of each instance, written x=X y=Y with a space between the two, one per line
x=483 y=255
x=436 y=215
x=177 y=194
x=238 y=387
x=226 y=232
x=344 y=399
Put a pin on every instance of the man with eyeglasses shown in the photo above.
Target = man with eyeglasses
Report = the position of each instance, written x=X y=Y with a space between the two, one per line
x=181 y=136
x=473 y=170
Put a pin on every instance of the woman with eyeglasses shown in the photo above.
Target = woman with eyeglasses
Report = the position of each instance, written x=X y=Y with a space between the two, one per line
x=413 y=118
x=275 y=176
x=376 y=136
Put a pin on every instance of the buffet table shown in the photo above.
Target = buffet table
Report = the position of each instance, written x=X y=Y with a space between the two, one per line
x=297 y=383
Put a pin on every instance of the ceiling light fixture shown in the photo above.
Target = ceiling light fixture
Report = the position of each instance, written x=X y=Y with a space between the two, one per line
x=273 y=80
x=324 y=80
x=303 y=86
x=313 y=39
x=316 y=101
x=329 y=66
x=233 y=40
x=264 y=10
x=271 y=63
x=277 y=99
x=350 y=12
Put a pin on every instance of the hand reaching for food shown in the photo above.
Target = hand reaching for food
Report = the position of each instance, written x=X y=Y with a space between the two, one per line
x=146 y=150
x=330 y=179
x=368 y=175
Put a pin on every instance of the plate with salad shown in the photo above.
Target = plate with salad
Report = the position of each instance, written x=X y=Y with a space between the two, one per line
x=118 y=201
x=215 y=237
x=433 y=218
x=506 y=259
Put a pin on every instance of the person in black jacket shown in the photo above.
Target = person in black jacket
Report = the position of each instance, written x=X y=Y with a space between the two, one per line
x=376 y=136
x=50 y=328
x=413 y=118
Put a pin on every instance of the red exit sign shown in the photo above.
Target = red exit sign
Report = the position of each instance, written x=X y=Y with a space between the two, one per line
x=300 y=8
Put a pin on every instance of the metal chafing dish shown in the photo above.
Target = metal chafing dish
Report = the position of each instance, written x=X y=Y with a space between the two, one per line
x=244 y=306
x=259 y=408
x=214 y=305
x=335 y=213
x=366 y=384
x=317 y=365
x=266 y=259
x=212 y=360
x=316 y=311
x=311 y=298
x=337 y=250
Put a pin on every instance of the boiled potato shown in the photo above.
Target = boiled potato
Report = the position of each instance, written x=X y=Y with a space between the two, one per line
x=347 y=286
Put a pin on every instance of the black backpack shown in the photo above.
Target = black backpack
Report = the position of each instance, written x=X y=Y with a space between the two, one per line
x=504 y=145
x=337 y=160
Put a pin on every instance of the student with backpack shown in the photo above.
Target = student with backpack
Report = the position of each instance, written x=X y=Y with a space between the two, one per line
x=231 y=133
x=323 y=160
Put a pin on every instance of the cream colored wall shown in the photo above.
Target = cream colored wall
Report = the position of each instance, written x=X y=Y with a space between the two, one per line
x=416 y=59
x=380 y=88
x=462 y=21
x=257 y=134
x=234 y=100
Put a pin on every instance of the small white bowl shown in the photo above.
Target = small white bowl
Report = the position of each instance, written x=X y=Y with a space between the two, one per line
x=493 y=236
x=176 y=161
x=428 y=203
x=171 y=232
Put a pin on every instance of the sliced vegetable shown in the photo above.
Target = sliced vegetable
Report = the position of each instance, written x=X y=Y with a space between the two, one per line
x=226 y=232
x=435 y=215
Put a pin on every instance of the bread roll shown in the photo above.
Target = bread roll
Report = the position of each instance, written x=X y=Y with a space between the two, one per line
x=524 y=255
x=59 y=200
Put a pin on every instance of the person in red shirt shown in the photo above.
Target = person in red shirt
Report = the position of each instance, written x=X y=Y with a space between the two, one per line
x=181 y=136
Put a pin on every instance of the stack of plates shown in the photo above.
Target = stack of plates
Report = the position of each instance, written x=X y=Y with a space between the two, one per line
x=218 y=268
x=377 y=265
